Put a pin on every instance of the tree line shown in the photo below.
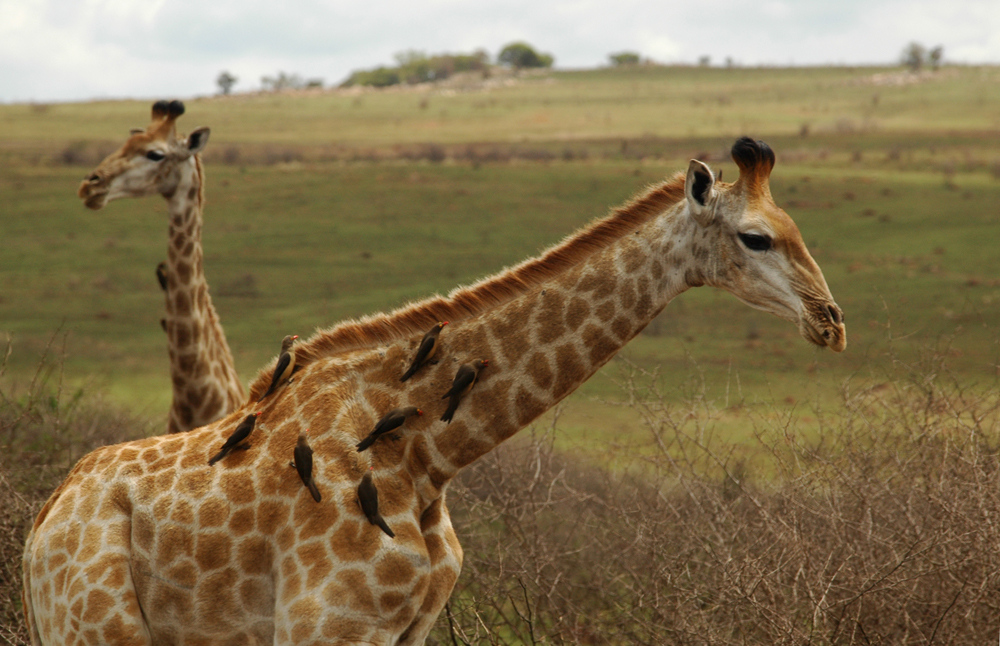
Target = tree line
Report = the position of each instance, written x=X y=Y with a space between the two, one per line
x=413 y=67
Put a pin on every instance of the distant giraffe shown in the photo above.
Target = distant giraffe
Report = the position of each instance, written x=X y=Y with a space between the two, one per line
x=156 y=160
x=144 y=543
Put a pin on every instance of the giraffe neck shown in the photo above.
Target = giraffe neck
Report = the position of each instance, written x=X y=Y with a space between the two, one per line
x=205 y=384
x=543 y=344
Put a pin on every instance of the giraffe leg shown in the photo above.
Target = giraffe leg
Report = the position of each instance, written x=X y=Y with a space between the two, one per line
x=446 y=557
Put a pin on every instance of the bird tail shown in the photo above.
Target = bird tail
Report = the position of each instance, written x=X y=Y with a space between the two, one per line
x=218 y=456
x=450 y=412
x=384 y=527
x=368 y=441
x=409 y=373
x=314 y=491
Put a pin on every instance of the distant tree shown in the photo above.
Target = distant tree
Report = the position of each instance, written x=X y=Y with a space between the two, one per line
x=704 y=61
x=623 y=59
x=378 y=77
x=914 y=56
x=520 y=55
x=281 y=82
x=935 y=56
x=226 y=81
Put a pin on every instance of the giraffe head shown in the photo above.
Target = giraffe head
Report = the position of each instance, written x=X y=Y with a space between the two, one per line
x=755 y=251
x=149 y=162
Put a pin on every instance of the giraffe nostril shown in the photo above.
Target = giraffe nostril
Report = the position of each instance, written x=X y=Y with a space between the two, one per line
x=93 y=179
x=835 y=314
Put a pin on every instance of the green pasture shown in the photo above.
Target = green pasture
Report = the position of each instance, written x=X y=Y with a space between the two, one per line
x=895 y=185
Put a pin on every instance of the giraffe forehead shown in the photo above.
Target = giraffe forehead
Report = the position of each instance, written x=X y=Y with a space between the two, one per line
x=137 y=143
x=787 y=234
x=764 y=213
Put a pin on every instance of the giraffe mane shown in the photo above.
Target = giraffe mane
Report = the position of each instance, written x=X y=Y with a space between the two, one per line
x=468 y=301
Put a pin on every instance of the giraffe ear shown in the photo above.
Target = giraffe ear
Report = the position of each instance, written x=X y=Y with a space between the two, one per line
x=700 y=192
x=196 y=140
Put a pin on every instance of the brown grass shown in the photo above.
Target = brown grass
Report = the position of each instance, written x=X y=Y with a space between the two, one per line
x=883 y=528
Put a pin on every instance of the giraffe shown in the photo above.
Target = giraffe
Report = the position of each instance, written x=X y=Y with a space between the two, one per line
x=143 y=543
x=155 y=160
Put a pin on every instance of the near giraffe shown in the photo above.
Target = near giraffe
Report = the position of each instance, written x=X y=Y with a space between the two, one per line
x=156 y=160
x=145 y=544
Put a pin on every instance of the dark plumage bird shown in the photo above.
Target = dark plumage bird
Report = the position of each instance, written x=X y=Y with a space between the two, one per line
x=285 y=366
x=241 y=433
x=368 y=497
x=389 y=422
x=161 y=275
x=465 y=379
x=303 y=463
x=425 y=351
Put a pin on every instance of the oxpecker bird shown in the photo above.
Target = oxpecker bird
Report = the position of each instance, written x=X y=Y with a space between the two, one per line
x=161 y=275
x=425 y=351
x=368 y=497
x=286 y=364
x=303 y=463
x=465 y=379
x=241 y=433
x=389 y=422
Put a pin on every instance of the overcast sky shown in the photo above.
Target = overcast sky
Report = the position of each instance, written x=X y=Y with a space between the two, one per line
x=64 y=50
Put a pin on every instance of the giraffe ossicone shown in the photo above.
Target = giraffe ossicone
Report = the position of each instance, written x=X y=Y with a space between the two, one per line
x=145 y=544
x=156 y=160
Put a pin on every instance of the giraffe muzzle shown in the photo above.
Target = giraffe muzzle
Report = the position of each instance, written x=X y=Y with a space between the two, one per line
x=92 y=192
x=824 y=326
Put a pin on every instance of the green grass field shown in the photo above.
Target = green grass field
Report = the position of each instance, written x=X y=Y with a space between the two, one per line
x=333 y=205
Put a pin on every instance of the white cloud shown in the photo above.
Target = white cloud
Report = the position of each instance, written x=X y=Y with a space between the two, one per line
x=77 y=49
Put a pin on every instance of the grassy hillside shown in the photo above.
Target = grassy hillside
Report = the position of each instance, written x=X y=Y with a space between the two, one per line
x=749 y=488
x=332 y=205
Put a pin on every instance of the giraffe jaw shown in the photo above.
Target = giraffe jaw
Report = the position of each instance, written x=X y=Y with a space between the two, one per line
x=96 y=202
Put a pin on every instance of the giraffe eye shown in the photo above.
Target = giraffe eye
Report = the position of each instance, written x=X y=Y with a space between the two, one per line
x=755 y=242
x=155 y=155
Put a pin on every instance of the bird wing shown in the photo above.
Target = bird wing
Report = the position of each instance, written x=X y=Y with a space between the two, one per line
x=303 y=462
x=392 y=420
x=283 y=362
x=465 y=377
x=426 y=345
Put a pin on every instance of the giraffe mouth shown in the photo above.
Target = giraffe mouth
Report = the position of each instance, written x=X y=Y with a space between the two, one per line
x=825 y=328
x=94 y=197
